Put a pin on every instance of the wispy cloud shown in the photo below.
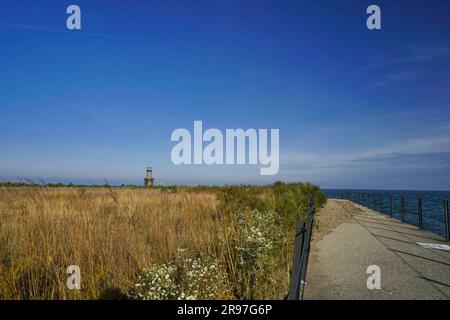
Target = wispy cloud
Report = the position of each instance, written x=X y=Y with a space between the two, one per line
x=414 y=55
x=397 y=77
x=428 y=160
x=61 y=30
x=427 y=151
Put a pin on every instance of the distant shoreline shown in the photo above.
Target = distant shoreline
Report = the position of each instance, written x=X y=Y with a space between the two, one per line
x=33 y=183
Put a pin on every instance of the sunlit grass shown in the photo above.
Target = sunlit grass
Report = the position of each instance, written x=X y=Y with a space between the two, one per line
x=115 y=234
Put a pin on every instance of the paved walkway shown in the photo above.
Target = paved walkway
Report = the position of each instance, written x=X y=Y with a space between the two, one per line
x=339 y=258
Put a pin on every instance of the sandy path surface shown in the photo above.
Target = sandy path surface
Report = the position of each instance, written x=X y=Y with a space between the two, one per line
x=350 y=238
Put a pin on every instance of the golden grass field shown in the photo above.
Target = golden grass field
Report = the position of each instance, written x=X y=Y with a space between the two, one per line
x=114 y=234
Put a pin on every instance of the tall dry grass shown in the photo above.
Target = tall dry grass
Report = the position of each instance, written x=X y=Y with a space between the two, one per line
x=112 y=235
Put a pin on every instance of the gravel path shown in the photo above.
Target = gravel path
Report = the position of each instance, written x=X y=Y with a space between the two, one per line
x=351 y=238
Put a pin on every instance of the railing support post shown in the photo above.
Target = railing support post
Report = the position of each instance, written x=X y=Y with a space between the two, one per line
x=381 y=202
x=402 y=208
x=447 y=221
x=374 y=201
x=419 y=209
x=295 y=287
x=301 y=253
x=390 y=205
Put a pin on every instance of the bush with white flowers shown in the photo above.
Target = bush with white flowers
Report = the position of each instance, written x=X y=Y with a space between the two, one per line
x=157 y=283
x=183 y=278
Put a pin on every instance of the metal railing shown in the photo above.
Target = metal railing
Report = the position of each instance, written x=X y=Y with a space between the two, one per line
x=375 y=202
x=302 y=244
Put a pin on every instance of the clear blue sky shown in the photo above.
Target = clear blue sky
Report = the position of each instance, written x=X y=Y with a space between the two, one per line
x=355 y=108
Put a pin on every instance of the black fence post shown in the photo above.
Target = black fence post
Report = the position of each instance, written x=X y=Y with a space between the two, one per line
x=374 y=201
x=294 y=291
x=402 y=208
x=307 y=249
x=381 y=202
x=419 y=209
x=301 y=254
x=447 y=221
x=390 y=205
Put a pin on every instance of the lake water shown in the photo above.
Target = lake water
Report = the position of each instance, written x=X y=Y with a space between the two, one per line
x=432 y=205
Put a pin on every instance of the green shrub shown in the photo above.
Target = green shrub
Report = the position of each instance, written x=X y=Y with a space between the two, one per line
x=241 y=198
